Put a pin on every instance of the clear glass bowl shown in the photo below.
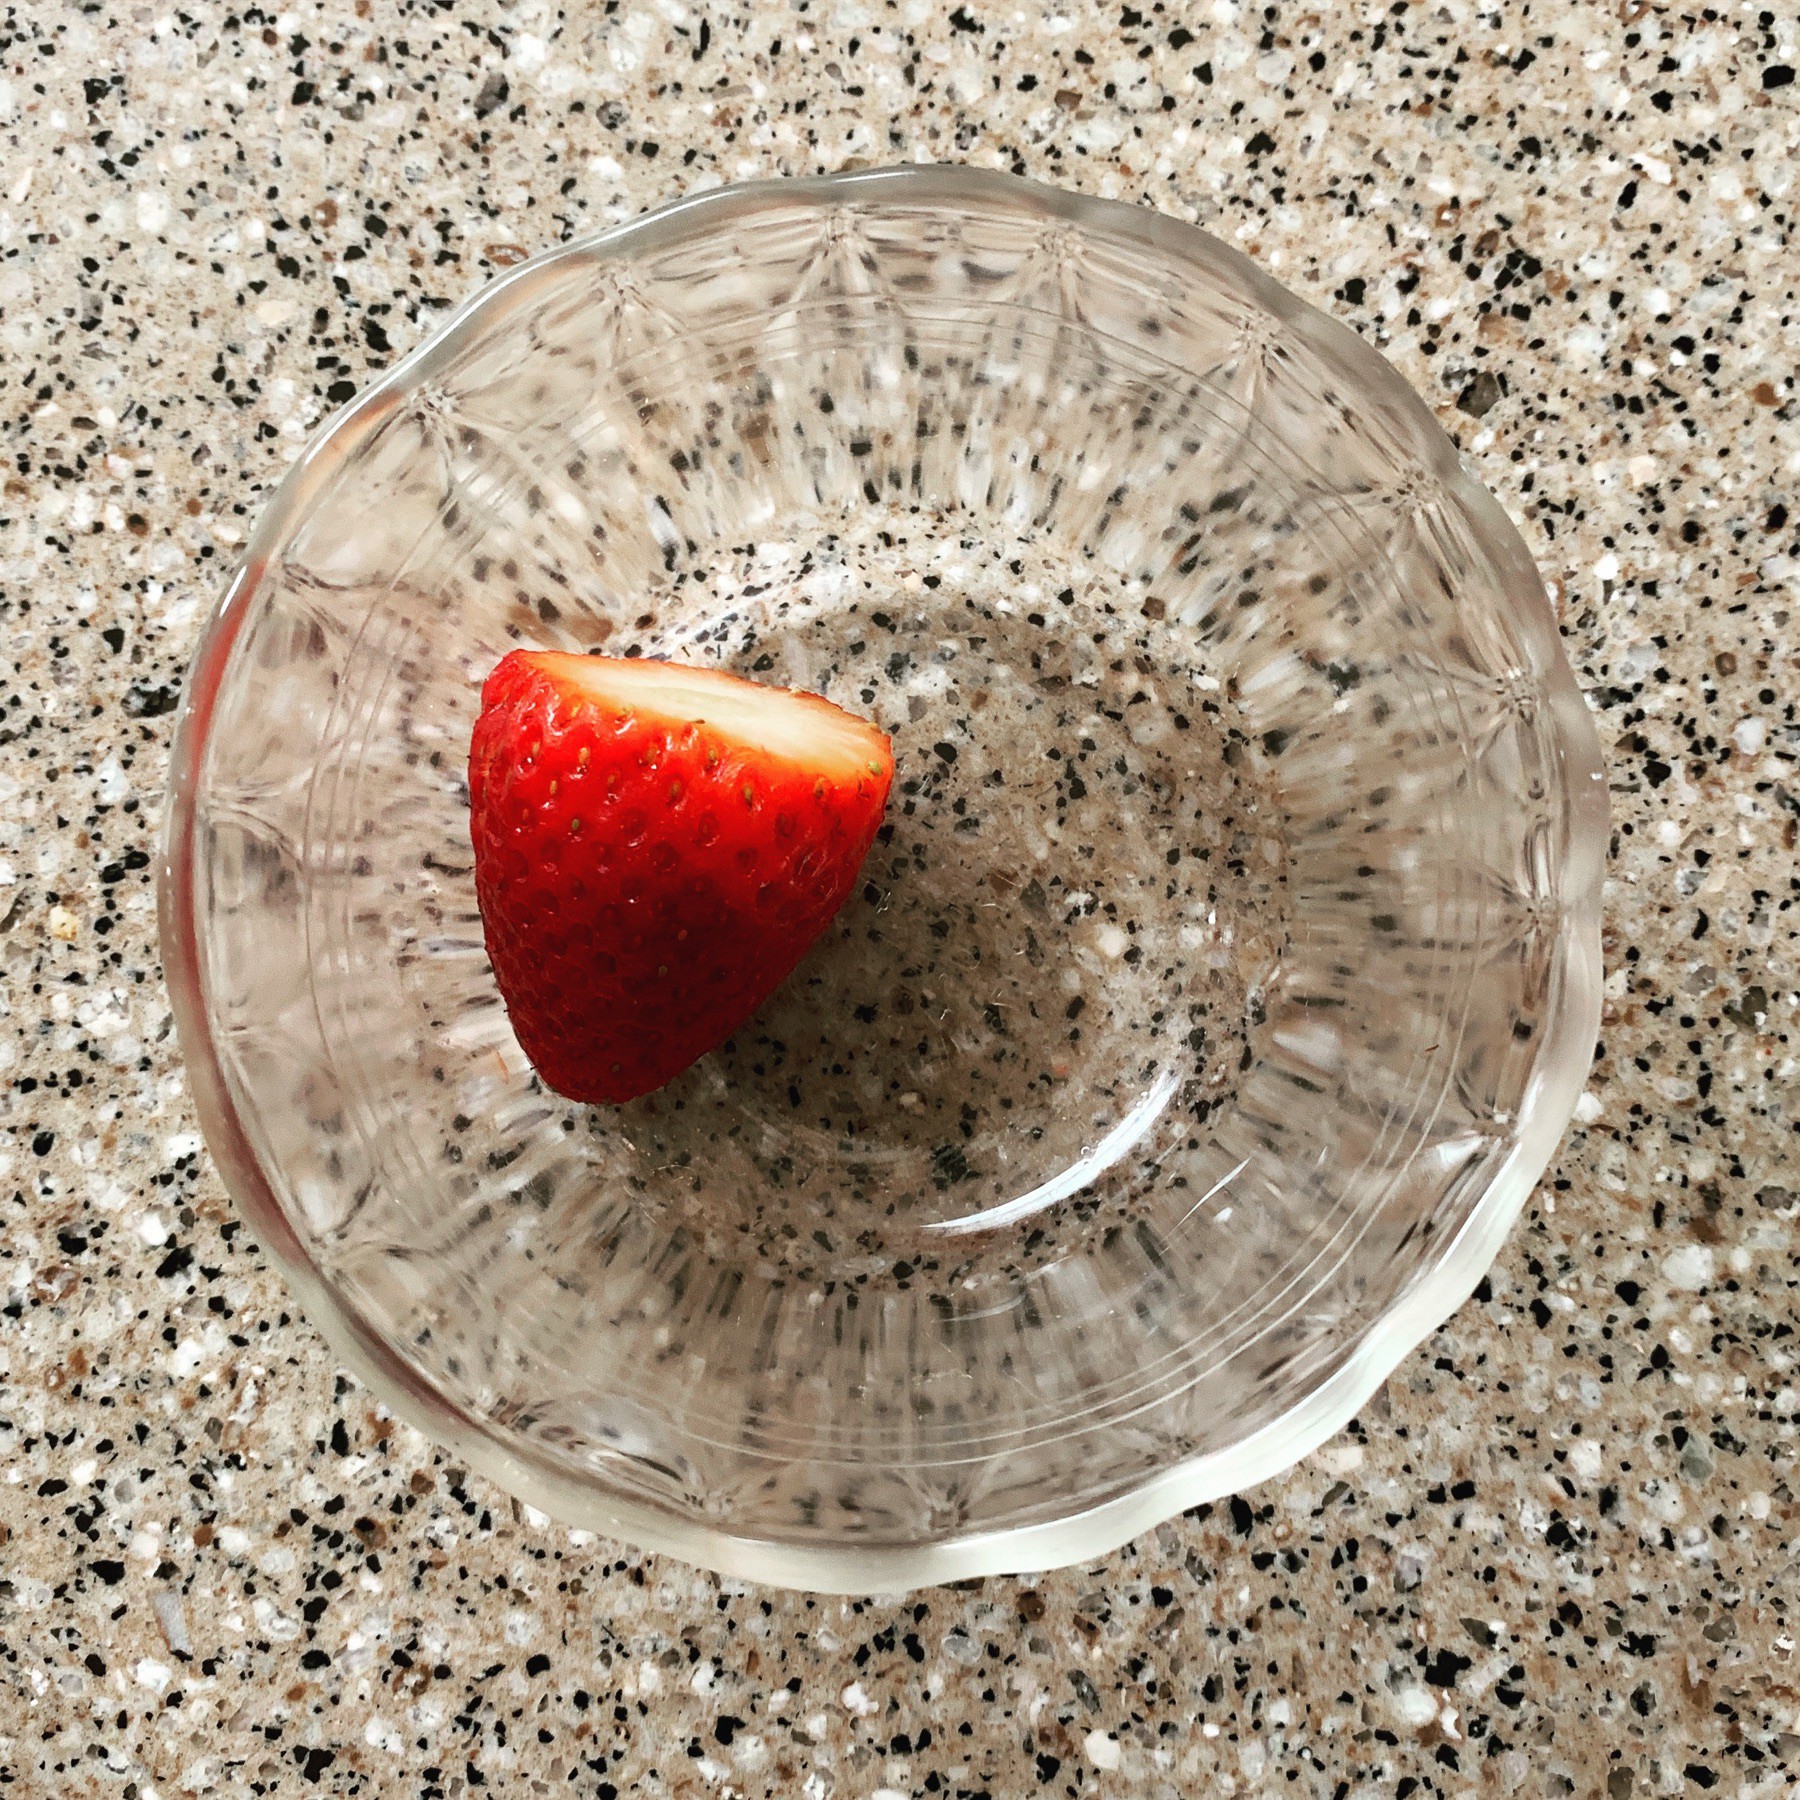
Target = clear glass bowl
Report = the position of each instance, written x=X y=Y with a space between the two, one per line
x=1219 y=990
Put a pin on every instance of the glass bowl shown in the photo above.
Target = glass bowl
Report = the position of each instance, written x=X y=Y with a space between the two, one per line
x=1223 y=978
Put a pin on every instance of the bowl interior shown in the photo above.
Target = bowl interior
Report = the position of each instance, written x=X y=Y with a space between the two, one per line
x=1226 y=963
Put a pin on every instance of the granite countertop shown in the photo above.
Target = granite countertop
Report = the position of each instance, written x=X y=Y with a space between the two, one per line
x=1557 y=1555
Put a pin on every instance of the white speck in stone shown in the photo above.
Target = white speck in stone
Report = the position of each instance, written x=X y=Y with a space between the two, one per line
x=1750 y=735
x=153 y=1228
x=521 y=1627
x=702 y=1678
x=1607 y=568
x=234 y=1540
x=110 y=782
x=1689 y=1267
x=856 y=1701
x=182 y=1143
x=1588 y=1109
x=529 y=52
x=1102 y=1751
x=378 y=1734
x=1111 y=941
x=20 y=188
x=1410 y=1566
x=63 y=925
x=1416 y=1705
x=1585 y=343
x=186 y=1357
x=172 y=1622
x=152 y=211
x=149 y=1673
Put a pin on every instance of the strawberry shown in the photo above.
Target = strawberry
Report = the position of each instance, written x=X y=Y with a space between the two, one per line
x=656 y=847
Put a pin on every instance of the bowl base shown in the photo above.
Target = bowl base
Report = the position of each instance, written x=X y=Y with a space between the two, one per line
x=1059 y=940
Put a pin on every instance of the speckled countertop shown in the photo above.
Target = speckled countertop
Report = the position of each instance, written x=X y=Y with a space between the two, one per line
x=1556 y=1556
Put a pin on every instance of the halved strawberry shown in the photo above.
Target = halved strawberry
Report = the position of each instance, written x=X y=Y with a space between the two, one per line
x=656 y=847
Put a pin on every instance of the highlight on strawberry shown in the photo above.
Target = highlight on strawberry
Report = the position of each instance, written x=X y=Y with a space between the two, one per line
x=656 y=847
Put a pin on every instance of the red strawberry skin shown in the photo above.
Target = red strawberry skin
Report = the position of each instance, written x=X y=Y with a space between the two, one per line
x=647 y=879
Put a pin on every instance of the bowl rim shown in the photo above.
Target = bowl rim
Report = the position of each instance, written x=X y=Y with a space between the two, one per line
x=1435 y=1291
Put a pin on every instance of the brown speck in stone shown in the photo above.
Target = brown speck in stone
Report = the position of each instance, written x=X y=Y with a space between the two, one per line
x=1764 y=394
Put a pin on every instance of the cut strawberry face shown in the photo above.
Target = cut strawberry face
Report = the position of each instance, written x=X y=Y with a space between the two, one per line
x=656 y=847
